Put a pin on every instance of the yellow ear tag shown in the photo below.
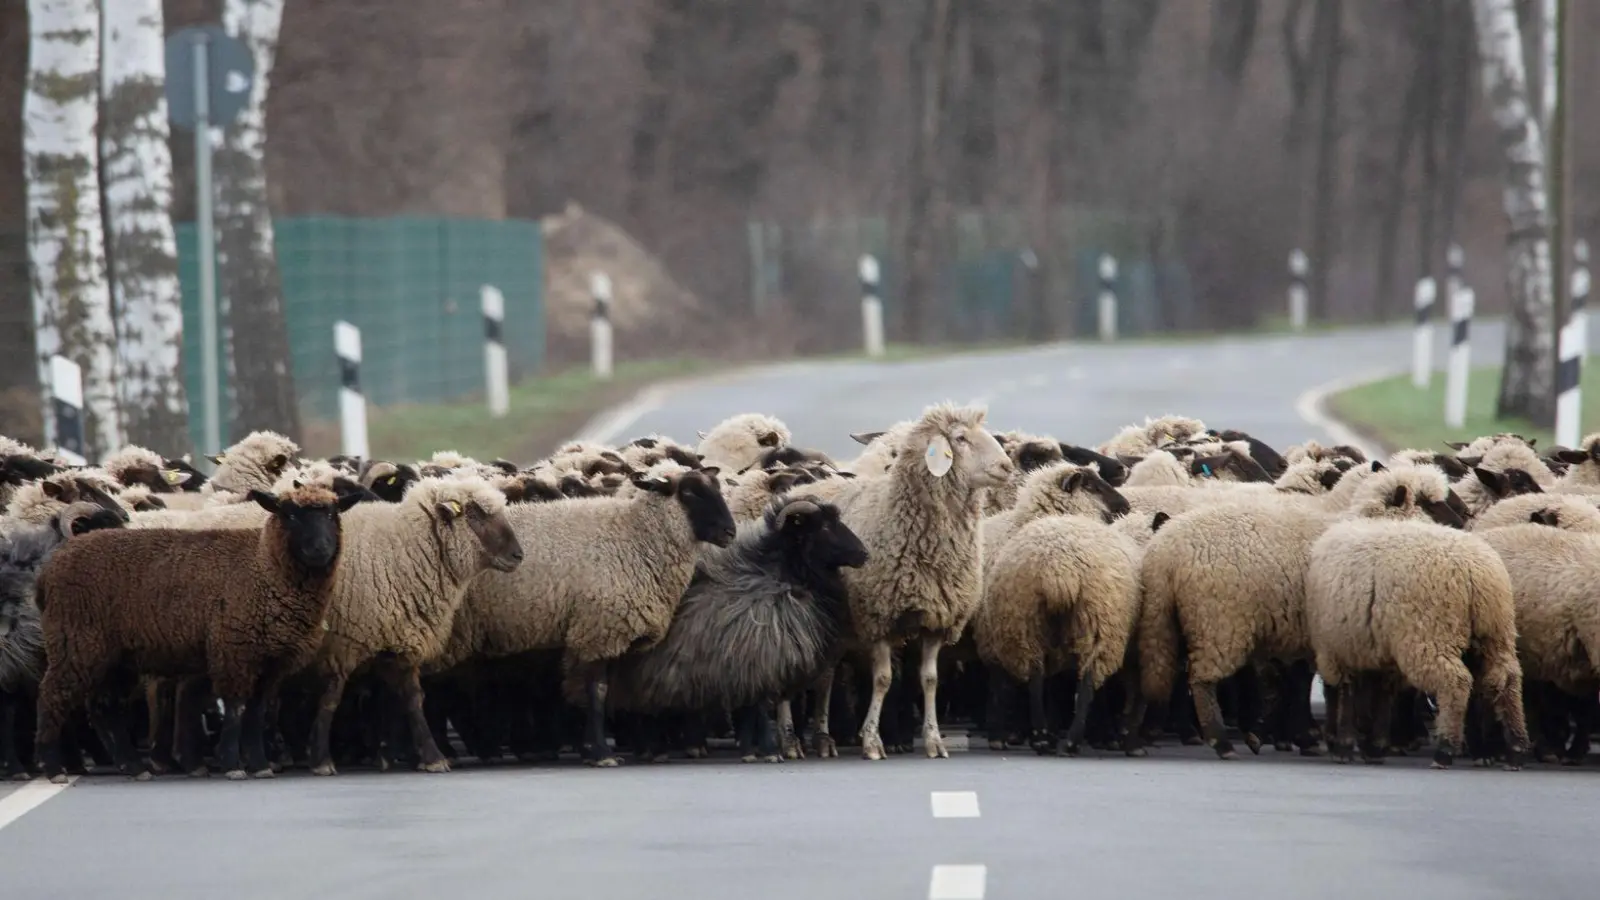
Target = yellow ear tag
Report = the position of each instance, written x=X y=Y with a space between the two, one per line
x=938 y=457
x=172 y=477
x=455 y=508
x=389 y=480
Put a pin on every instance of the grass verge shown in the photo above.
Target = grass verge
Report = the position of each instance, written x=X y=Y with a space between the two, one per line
x=1396 y=415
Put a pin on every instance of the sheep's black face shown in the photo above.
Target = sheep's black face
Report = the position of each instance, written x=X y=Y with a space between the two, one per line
x=313 y=533
x=94 y=521
x=391 y=488
x=195 y=480
x=496 y=537
x=701 y=495
x=821 y=538
x=16 y=470
x=87 y=491
x=1035 y=455
x=1113 y=471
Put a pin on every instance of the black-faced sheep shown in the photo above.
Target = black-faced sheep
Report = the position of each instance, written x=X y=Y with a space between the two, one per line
x=244 y=607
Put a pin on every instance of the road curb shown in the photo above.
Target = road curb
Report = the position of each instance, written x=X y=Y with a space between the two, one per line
x=1312 y=406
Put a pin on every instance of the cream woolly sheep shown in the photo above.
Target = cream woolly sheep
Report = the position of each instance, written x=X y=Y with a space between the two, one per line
x=1139 y=440
x=924 y=579
x=1061 y=589
x=1523 y=471
x=253 y=463
x=1314 y=450
x=133 y=465
x=1568 y=512
x=1387 y=595
x=1229 y=581
x=750 y=493
x=1481 y=445
x=601 y=577
x=642 y=453
x=405 y=570
x=737 y=442
x=1583 y=472
x=881 y=447
x=37 y=502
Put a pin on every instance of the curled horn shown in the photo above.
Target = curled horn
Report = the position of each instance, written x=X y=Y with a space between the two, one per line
x=70 y=515
x=796 y=508
x=379 y=470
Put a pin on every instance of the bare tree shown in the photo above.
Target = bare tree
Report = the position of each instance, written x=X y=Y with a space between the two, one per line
x=72 y=305
x=137 y=178
x=263 y=385
x=1527 y=385
x=1330 y=56
x=927 y=213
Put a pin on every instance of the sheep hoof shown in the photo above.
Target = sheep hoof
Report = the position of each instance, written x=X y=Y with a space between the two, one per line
x=437 y=766
x=236 y=775
x=610 y=762
x=1227 y=754
x=1551 y=759
x=158 y=767
x=1193 y=740
x=1442 y=759
x=1137 y=752
x=772 y=758
x=1282 y=746
x=826 y=746
x=21 y=775
x=1312 y=750
x=1483 y=762
x=662 y=757
x=199 y=772
x=872 y=747
x=60 y=778
x=326 y=768
x=998 y=746
x=934 y=744
x=144 y=776
x=748 y=758
x=264 y=773
x=1253 y=742
x=1572 y=761
x=794 y=750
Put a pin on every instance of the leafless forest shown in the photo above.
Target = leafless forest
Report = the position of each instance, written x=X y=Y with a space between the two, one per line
x=1233 y=130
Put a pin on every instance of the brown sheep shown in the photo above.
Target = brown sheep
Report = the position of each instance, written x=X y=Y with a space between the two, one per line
x=245 y=607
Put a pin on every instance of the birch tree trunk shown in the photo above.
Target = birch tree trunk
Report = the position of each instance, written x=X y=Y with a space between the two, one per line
x=1527 y=384
x=137 y=178
x=263 y=386
x=66 y=248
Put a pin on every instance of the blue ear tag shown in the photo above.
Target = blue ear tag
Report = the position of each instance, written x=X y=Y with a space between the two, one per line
x=1205 y=469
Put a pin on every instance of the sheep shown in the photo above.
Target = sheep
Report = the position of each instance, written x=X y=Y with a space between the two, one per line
x=38 y=502
x=1229 y=580
x=738 y=442
x=22 y=552
x=388 y=480
x=1060 y=587
x=243 y=607
x=1411 y=596
x=1315 y=451
x=1139 y=440
x=404 y=571
x=881 y=447
x=1566 y=511
x=644 y=452
x=18 y=469
x=253 y=463
x=749 y=493
x=1481 y=445
x=1553 y=573
x=761 y=619
x=603 y=576
x=133 y=465
x=924 y=579
x=1028 y=453
x=1269 y=459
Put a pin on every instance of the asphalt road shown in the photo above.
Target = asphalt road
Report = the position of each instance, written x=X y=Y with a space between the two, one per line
x=1180 y=823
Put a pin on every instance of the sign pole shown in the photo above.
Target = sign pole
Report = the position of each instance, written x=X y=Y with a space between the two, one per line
x=205 y=242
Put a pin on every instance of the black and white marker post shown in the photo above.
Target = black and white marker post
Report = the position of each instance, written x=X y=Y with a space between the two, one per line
x=600 y=325
x=497 y=388
x=1455 y=390
x=1299 y=268
x=1422 y=334
x=1108 y=297
x=66 y=402
x=871 y=305
x=352 y=404
x=1574 y=347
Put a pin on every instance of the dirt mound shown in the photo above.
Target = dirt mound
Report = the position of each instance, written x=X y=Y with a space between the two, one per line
x=651 y=313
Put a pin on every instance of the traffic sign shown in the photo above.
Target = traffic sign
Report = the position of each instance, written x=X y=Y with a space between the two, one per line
x=230 y=69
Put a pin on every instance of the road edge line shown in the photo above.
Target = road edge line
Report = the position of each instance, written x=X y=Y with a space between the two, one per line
x=30 y=797
x=1312 y=407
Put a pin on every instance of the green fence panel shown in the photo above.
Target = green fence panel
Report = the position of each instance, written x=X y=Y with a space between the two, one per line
x=412 y=285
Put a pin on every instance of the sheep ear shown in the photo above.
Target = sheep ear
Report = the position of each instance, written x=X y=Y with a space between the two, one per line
x=700 y=434
x=266 y=501
x=216 y=458
x=348 y=500
x=1531 y=442
x=1456 y=445
x=655 y=484
x=1494 y=481
x=1546 y=517
x=1330 y=478
x=52 y=490
x=1072 y=482
x=770 y=439
x=449 y=510
x=1399 y=497
x=1379 y=466
x=1130 y=461
x=711 y=472
x=1207 y=466
x=866 y=437
x=1571 y=457
x=1470 y=462
x=505 y=465
x=277 y=463
x=938 y=457
x=1159 y=520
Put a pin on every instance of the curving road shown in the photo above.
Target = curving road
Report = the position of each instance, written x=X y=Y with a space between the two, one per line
x=981 y=824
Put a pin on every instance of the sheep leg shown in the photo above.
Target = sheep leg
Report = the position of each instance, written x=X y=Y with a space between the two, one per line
x=882 y=677
x=108 y=715
x=1209 y=712
x=405 y=679
x=1375 y=744
x=188 y=697
x=792 y=746
x=1134 y=709
x=932 y=740
x=996 y=707
x=767 y=732
x=1247 y=688
x=1342 y=719
x=1038 y=718
x=159 y=699
x=1504 y=690
x=823 y=742
x=232 y=733
x=595 y=751
x=1296 y=700
x=1446 y=677
x=322 y=728
x=1073 y=742
x=254 y=727
x=63 y=689
x=1583 y=714
x=10 y=762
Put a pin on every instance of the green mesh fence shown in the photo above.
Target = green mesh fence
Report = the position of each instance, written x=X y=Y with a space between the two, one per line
x=412 y=285
x=1005 y=280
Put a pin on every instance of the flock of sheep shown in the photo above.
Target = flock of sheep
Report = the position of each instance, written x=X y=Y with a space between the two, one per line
x=292 y=612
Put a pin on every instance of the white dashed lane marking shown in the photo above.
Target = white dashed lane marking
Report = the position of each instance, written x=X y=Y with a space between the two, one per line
x=27 y=798
x=955 y=804
x=957 y=882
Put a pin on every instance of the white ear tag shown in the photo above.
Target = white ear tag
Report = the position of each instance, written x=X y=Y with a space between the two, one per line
x=939 y=458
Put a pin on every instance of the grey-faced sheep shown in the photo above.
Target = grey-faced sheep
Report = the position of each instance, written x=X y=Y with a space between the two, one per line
x=924 y=579
x=601 y=577
x=1139 y=440
x=760 y=620
x=244 y=607
x=134 y=465
x=1414 y=597
x=253 y=463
